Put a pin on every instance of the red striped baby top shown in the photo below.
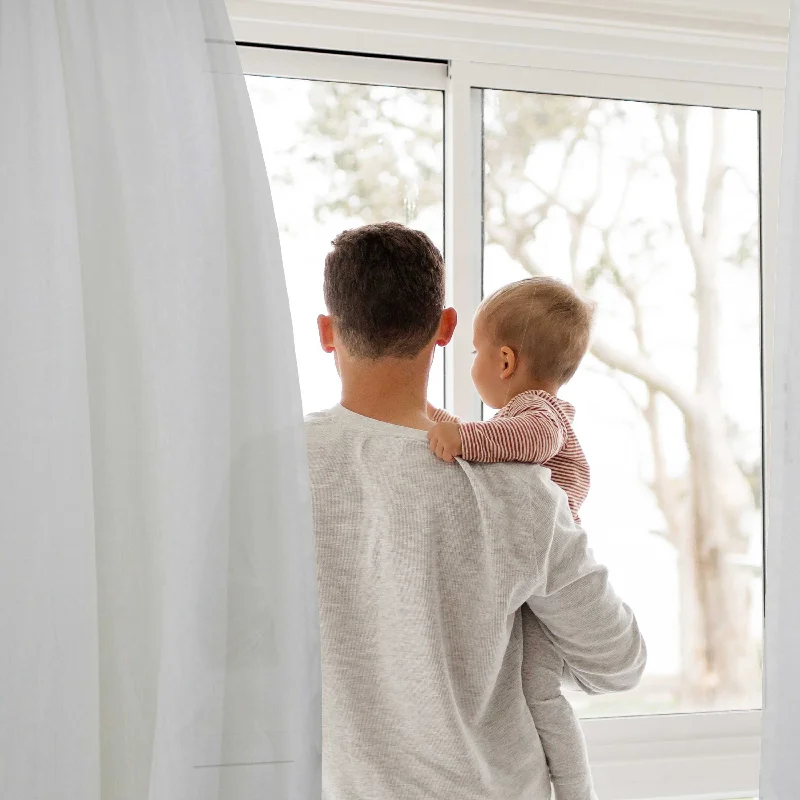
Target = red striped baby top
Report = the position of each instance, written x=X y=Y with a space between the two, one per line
x=535 y=428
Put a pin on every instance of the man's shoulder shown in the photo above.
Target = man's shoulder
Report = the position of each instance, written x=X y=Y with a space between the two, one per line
x=515 y=483
x=520 y=508
x=321 y=427
x=317 y=417
x=513 y=488
x=318 y=421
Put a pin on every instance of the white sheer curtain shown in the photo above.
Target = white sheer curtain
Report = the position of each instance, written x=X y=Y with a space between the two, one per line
x=158 y=618
x=780 y=773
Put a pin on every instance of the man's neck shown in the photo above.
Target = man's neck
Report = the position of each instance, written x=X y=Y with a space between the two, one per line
x=389 y=390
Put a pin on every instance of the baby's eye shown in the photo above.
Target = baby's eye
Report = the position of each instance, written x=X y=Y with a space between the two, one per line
x=474 y=352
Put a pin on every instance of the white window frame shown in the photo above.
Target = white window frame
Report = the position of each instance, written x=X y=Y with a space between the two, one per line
x=697 y=756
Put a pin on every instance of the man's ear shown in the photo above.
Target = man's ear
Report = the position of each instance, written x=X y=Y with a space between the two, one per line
x=325 y=328
x=447 y=326
x=509 y=361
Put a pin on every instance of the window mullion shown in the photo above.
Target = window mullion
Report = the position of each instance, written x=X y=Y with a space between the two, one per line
x=463 y=233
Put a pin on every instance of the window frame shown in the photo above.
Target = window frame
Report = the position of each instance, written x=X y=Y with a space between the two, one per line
x=702 y=756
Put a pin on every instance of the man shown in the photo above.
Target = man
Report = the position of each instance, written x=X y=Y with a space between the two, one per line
x=424 y=567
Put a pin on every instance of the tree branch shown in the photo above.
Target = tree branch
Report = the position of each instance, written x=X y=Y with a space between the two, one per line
x=665 y=535
x=677 y=155
x=647 y=372
x=630 y=363
x=712 y=202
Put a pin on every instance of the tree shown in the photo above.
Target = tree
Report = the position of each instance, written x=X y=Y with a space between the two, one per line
x=390 y=168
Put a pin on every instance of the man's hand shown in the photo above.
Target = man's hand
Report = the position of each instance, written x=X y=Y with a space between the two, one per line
x=431 y=410
x=445 y=440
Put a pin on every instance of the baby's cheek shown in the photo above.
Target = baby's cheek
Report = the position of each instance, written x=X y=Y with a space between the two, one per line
x=480 y=372
x=479 y=377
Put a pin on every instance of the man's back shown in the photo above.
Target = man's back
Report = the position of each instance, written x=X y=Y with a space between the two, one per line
x=422 y=568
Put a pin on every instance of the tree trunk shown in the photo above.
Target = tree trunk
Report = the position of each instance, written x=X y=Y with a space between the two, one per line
x=720 y=665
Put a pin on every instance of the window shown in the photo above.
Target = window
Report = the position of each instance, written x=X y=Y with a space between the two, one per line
x=342 y=155
x=516 y=170
x=653 y=212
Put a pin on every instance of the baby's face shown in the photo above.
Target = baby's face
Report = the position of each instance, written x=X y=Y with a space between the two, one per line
x=487 y=368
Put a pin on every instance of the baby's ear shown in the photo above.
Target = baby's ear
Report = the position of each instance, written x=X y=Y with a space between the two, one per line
x=509 y=361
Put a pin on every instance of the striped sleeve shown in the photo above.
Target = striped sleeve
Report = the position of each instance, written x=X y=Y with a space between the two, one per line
x=533 y=437
x=440 y=415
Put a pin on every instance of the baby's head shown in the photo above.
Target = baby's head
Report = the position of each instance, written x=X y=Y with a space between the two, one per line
x=532 y=334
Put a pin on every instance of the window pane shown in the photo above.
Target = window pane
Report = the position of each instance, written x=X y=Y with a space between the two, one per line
x=341 y=155
x=652 y=212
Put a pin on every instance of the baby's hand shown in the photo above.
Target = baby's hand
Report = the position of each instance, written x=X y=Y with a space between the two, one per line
x=445 y=440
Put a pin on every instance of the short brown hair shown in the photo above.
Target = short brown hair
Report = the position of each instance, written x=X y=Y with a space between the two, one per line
x=384 y=289
x=543 y=321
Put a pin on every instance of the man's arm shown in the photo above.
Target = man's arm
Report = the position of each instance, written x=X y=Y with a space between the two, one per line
x=595 y=632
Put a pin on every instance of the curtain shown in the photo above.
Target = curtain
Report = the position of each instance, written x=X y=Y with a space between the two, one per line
x=780 y=776
x=158 y=614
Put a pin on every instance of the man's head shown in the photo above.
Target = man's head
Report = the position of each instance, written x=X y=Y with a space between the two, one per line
x=384 y=289
x=532 y=334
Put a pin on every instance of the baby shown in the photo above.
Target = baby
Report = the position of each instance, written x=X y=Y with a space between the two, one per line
x=529 y=339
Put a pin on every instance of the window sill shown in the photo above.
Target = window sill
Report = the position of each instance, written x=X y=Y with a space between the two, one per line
x=710 y=756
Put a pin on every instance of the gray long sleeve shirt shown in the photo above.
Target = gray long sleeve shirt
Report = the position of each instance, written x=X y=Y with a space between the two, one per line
x=422 y=570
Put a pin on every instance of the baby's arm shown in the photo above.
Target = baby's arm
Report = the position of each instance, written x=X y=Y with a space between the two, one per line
x=440 y=415
x=533 y=436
